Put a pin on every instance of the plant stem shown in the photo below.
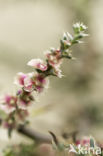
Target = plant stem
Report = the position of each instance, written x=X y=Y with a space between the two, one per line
x=34 y=135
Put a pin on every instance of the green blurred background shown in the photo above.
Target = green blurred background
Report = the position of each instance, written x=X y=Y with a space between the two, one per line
x=27 y=29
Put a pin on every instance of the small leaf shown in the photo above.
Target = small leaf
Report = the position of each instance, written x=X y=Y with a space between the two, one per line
x=54 y=138
x=9 y=132
x=92 y=142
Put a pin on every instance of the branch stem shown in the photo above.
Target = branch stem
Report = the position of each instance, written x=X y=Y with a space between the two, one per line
x=34 y=135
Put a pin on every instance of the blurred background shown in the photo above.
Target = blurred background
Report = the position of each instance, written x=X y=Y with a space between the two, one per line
x=27 y=29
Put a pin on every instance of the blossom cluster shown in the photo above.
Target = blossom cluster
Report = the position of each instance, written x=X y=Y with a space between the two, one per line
x=83 y=141
x=15 y=106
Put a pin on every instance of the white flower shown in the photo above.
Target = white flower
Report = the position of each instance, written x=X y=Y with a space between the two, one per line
x=25 y=80
x=8 y=103
x=38 y=64
x=80 y=26
x=19 y=80
x=58 y=72
x=7 y=109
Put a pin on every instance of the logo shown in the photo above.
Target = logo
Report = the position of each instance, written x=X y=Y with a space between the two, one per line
x=84 y=150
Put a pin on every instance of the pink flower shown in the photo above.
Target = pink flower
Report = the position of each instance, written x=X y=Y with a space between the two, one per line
x=28 y=83
x=24 y=99
x=40 y=82
x=38 y=64
x=84 y=141
x=25 y=81
x=8 y=104
x=19 y=80
x=54 y=57
x=57 y=72
x=32 y=81
x=8 y=124
x=22 y=104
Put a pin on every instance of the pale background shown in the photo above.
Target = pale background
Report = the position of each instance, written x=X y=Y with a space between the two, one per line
x=27 y=29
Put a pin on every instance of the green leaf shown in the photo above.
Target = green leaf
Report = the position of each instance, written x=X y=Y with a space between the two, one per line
x=9 y=132
x=92 y=142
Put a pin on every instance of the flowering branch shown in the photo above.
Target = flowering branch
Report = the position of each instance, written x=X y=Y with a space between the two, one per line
x=15 y=107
